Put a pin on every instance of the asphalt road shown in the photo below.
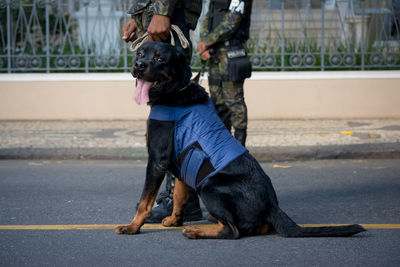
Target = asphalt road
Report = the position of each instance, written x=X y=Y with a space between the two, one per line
x=105 y=192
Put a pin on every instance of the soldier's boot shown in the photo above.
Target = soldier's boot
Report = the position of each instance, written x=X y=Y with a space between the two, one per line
x=165 y=204
x=241 y=135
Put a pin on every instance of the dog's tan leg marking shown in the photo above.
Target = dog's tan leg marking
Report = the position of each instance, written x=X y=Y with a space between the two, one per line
x=143 y=212
x=220 y=231
x=262 y=230
x=181 y=197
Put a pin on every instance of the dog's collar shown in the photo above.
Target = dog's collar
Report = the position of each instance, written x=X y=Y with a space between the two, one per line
x=187 y=85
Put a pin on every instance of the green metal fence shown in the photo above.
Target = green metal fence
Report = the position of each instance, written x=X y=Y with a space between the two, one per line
x=84 y=35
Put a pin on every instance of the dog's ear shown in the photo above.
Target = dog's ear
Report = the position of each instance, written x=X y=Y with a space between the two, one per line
x=180 y=53
x=180 y=67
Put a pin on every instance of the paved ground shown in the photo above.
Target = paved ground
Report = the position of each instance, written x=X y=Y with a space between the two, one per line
x=48 y=190
x=87 y=192
x=267 y=139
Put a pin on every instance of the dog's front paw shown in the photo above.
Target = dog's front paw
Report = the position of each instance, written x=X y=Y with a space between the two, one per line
x=171 y=221
x=191 y=232
x=127 y=230
x=168 y=221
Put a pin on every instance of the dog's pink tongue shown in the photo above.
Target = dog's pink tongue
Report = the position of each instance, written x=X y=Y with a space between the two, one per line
x=142 y=92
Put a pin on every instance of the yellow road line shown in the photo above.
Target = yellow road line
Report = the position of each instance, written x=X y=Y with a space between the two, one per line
x=366 y=226
x=158 y=226
x=78 y=227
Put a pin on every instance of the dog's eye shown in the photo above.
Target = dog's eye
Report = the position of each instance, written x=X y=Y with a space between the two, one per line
x=159 y=60
x=139 y=54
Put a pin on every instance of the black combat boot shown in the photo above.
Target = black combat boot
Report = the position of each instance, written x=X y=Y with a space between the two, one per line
x=165 y=204
x=240 y=135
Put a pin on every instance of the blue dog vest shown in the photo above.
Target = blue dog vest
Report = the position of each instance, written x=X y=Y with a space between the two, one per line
x=202 y=144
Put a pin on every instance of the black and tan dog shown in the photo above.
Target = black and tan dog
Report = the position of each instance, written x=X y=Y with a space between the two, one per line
x=239 y=195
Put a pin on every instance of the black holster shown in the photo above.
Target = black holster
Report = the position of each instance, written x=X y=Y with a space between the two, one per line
x=239 y=65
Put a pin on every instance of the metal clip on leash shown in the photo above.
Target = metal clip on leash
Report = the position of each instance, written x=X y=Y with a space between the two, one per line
x=200 y=75
x=202 y=71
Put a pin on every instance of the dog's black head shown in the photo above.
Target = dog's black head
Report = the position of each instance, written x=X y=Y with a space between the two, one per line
x=163 y=77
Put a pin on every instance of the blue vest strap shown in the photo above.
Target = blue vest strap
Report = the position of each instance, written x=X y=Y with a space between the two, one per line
x=191 y=165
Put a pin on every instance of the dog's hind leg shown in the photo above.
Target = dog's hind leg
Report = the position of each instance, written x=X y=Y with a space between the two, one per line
x=181 y=197
x=262 y=230
x=219 y=231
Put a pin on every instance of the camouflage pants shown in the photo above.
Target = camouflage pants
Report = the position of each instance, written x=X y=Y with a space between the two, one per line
x=227 y=96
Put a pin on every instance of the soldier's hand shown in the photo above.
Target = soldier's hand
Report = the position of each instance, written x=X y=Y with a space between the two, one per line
x=201 y=47
x=204 y=53
x=159 y=28
x=129 y=31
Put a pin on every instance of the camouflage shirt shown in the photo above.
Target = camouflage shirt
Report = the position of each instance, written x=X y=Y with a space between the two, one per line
x=166 y=7
x=228 y=26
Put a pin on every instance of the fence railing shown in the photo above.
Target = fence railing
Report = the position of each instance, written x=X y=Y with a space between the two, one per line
x=84 y=35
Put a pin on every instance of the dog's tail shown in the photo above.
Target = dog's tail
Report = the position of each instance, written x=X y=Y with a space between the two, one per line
x=288 y=228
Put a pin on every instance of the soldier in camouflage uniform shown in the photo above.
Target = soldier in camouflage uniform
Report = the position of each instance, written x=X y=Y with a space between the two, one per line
x=155 y=17
x=226 y=25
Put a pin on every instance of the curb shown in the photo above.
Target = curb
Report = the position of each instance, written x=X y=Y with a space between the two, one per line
x=262 y=154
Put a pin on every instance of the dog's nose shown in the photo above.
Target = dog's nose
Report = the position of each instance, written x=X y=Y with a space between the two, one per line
x=139 y=65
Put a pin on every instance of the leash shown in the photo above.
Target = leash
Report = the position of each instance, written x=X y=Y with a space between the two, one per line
x=200 y=75
x=134 y=46
x=198 y=78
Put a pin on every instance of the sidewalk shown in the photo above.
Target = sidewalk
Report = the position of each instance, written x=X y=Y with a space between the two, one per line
x=268 y=140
